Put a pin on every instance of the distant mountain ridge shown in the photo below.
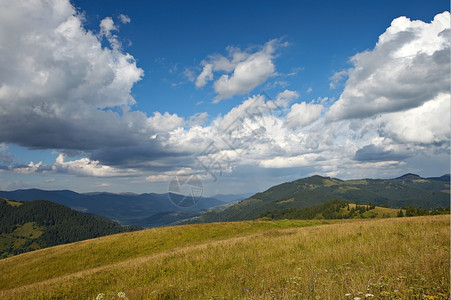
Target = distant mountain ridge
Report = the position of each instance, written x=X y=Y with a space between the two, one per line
x=126 y=208
x=411 y=176
x=409 y=189
x=154 y=210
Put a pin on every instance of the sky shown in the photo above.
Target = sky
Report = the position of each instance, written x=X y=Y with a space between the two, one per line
x=237 y=96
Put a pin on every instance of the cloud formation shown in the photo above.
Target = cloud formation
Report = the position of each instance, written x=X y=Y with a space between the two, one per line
x=303 y=114
x=244 y=70
x=124 y=19
x=66 y=88
x=205 y=76
x=59 y=84
x=408 y=67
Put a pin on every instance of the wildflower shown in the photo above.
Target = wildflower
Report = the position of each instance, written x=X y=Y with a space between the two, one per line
x=348 y=295
x=369 y=295
x=100 y=296
x=121 y=295
x=356 y=298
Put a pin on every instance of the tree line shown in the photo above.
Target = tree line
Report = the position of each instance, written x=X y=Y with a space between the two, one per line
x=341 y=209
x=419 y=211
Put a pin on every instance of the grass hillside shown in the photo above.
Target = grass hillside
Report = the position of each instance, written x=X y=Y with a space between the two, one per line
x=407 y=190
x=396 y=258
x=27 y=226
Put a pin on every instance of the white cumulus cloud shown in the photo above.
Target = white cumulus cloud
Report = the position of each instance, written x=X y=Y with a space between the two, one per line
x=408 y=67
x=426 y=124
x=303 y=114
x=244 y=70
x=165 y=122
x=124 y=19
x=86 y=167
x=205 y=76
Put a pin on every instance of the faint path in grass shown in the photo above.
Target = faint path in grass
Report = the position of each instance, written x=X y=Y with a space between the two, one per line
x=405 y=258
x=144 y=259
x=61 y=260
x=262 y=228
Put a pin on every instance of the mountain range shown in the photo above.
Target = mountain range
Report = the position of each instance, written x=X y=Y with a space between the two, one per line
x=154 y=210
x=146 y=210
x=407 y=190
x=39 y=218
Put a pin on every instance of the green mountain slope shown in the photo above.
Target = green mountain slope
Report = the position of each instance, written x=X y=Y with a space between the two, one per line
x=26 y=226
x=406 y=190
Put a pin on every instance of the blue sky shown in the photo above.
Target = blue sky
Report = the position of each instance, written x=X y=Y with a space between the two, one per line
x=169 y=36
x=127 y=95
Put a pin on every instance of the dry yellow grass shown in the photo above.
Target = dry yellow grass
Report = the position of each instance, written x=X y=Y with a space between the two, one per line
x=61 y=260
x=11 y=202
x=399 y=258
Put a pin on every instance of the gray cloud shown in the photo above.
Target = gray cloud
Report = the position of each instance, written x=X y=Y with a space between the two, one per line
x=144 y=156
x=377 y=153
x=58 y=81
x=96 y=129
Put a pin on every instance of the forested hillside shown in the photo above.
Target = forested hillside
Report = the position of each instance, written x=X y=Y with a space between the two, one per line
x=408 y=190
x=26 y=226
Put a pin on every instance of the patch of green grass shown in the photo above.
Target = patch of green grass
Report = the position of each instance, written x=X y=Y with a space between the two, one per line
x=328 y=182
x=422 y=180
x=357 y=182
x=377 y=212
x=17 y=243
x=286 y=201
x=20 y=238
x=382 y=212
x=344 y=188
x=28 y=230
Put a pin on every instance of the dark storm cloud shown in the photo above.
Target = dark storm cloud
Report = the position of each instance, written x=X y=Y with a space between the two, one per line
x=376 y=153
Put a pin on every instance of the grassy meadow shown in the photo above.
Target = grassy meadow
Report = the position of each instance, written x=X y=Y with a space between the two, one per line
x=377 y=212
x=393 y=258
